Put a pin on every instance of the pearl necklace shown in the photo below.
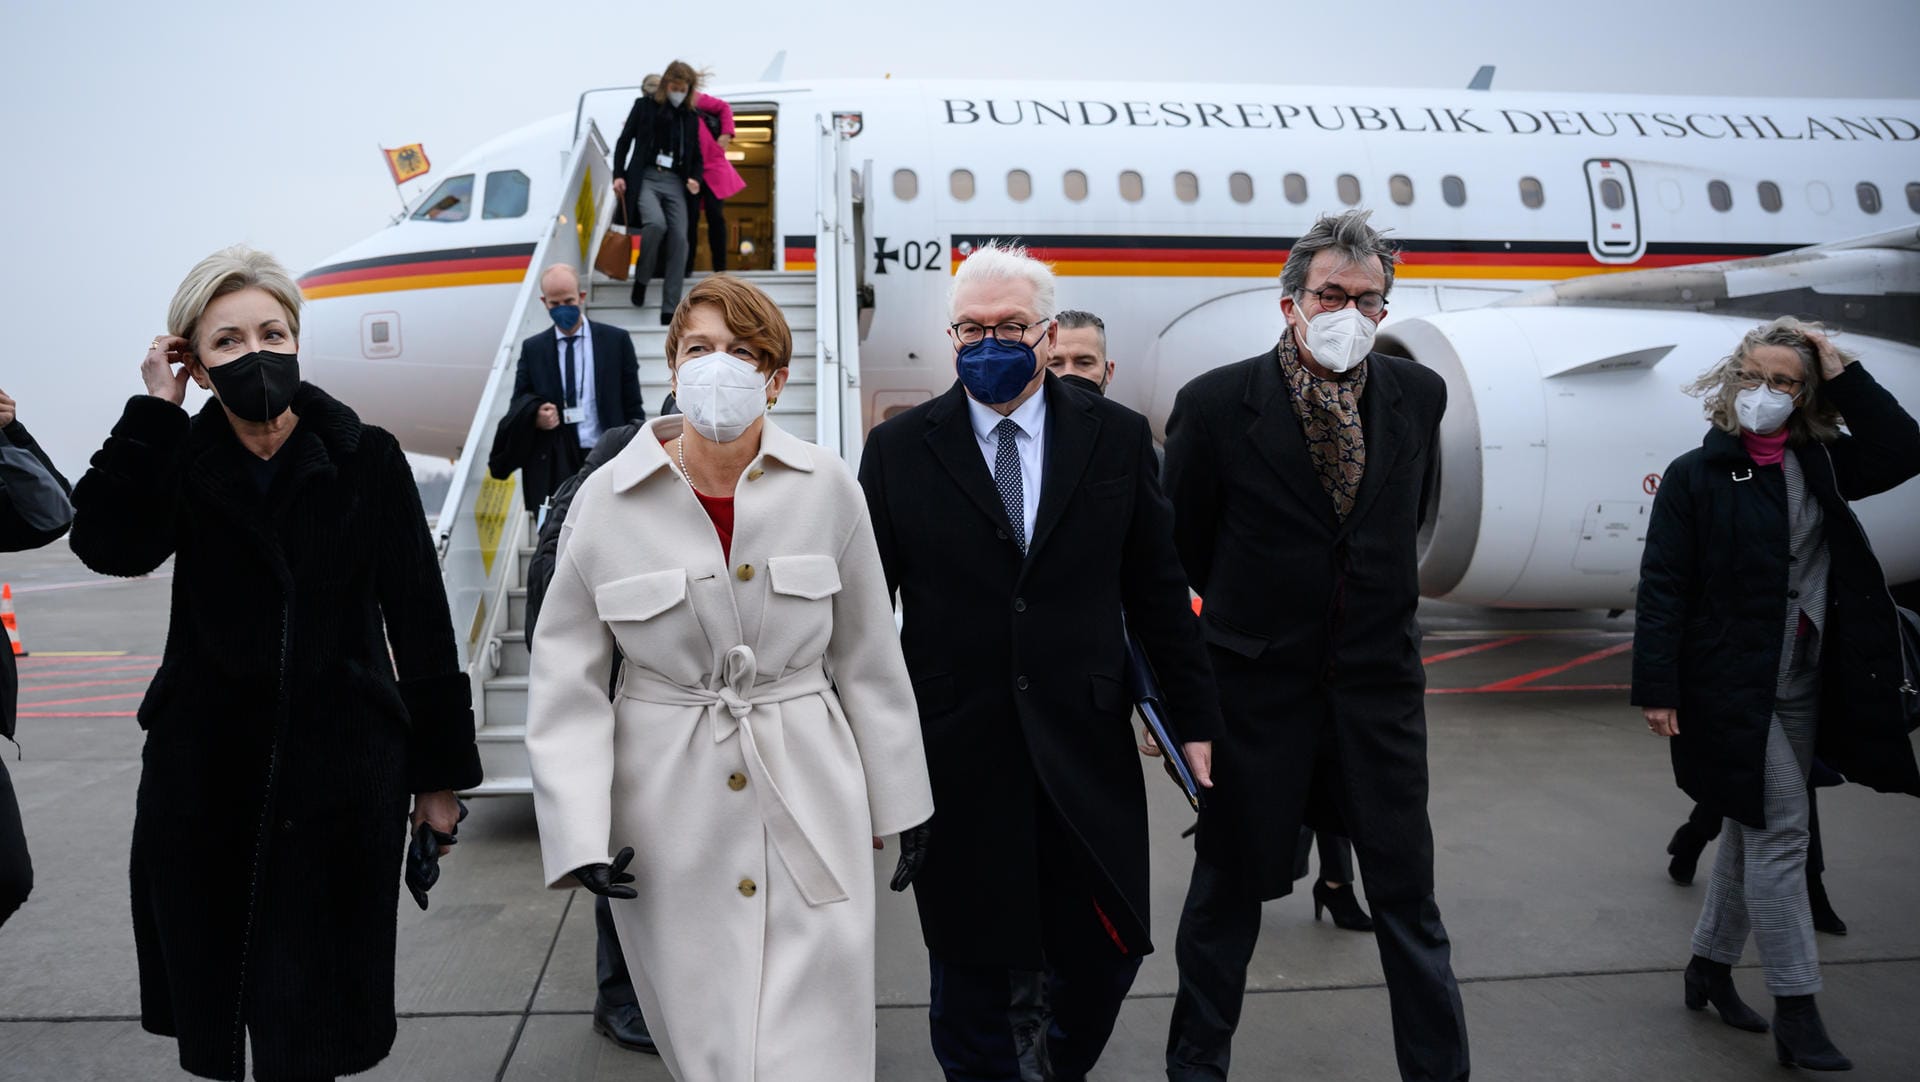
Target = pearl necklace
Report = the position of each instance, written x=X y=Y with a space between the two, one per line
x=681 y=445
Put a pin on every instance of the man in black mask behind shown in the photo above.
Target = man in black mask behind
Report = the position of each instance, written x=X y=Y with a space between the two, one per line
x=1079 y=354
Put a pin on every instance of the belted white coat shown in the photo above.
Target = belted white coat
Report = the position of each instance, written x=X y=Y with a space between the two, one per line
x=762 y=730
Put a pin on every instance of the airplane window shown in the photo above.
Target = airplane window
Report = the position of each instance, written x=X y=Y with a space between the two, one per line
x=1453 y=190
x=1913 y=198
x=906 y=185
x=1240 y=186
x=1720 y=195
x=1296 y=186
x=1186 y=187
x=1348 y=187
x=1612 y=195
x=1869 y=196
x=1019 y=185
x=960 y=183
x=1132 y=188
x=1399 y=187
x=1074 y=183
x=452 y=201
x=506 y=194
x=1819 y=196
x=1770 y=197
x=1531 y=194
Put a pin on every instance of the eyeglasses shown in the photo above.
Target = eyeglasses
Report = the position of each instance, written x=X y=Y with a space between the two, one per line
x=1333 y=298
x=1782 y=383
x=971 y=333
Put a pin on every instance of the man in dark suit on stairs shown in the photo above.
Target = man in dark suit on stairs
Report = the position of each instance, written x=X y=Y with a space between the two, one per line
x=585 y=374
x=1299 y=480
x=1016 y=519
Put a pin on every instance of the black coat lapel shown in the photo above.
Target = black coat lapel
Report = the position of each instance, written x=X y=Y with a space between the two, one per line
x=606 y=379
x=1070 y=433
x=1385 y=430
x=1276 y=434
x=950 y=437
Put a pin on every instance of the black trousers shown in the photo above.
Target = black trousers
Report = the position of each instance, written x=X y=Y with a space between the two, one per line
x=1336 y=856
x=987 y=1022
x=1218 y=929
x=16 y=869
x=616 y=986
x=716 y=227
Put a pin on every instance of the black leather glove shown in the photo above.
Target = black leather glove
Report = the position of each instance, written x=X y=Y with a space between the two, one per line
x=609 y=880
x=423 y=856
x=913 y=853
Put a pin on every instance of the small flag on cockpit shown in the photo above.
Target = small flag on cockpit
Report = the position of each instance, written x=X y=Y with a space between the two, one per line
x=406 y=162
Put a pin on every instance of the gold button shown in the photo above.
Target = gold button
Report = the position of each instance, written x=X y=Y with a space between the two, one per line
x=755 y=474
x=745 y=572
x=747 y=888
x=736 y=781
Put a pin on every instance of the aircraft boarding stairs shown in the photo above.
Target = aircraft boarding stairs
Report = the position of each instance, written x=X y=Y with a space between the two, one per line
x=485 y=535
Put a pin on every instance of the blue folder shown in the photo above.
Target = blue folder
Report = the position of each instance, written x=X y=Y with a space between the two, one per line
x=1146 y=695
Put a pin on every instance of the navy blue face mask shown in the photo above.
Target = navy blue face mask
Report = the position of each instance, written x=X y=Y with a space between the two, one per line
x=565 y=316
x=994 y=371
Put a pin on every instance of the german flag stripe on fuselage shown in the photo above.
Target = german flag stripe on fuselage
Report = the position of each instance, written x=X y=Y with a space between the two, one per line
x=800 y=252
x=1230 y=257
x=488 y=265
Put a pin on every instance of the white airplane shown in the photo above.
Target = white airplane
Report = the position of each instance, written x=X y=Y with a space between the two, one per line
x=1168 y=210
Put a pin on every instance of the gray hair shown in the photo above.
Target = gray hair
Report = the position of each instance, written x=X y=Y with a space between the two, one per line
x=1817 y=420
x=1074 y=318
x=231 y=270
x=997 y=262
x=1349 y=235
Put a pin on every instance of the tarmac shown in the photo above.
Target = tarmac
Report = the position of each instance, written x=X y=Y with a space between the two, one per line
x=1551 y=808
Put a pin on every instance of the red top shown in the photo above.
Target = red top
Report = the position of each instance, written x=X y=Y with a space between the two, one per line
x=1766 y=450
x=720 y=510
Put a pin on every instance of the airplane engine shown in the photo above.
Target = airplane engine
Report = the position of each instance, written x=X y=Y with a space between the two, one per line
x=1559 y=424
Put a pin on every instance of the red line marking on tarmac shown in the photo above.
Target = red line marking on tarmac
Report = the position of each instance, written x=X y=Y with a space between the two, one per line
x=1449 y=655
x=1494 y=689
x=90 y=683
x=87 y=584
x=36 y=665
x=87 y=699
x=75 y=714
x=1515 y=683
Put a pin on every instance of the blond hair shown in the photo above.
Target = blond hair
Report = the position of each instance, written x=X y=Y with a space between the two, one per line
x=679 y=72
x=231 y=270
x=1816 y=420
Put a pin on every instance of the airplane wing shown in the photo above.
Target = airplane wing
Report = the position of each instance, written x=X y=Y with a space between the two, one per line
x=1868 y=285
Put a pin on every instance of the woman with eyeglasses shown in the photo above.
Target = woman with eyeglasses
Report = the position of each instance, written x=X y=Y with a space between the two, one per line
x=1765 y=632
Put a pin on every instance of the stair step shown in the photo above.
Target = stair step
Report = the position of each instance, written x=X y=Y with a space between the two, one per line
x=517 y=607
x=502 y=786
x=506 y=701
x=784 y=287
x=514 y=657
x=504 y=768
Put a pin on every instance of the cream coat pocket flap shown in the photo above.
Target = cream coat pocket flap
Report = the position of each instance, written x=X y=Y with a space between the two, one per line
x=641 y=597
x=811 y=577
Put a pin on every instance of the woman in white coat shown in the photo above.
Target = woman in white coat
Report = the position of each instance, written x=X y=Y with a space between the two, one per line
x=762 y=734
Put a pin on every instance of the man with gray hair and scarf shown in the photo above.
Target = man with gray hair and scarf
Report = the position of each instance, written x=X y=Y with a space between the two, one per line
x=1299 y=479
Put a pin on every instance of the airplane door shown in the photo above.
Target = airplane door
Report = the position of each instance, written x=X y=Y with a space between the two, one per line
x=1616 y=211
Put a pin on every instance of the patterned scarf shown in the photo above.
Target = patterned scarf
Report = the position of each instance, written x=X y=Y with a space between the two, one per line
x=1329 y=412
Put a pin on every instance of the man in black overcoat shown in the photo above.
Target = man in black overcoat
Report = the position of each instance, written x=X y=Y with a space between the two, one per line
x=585 y=375
x=1016 y=518
x=1299 y=479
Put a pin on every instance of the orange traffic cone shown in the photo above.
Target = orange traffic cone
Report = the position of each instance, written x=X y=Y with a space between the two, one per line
x=7 y=618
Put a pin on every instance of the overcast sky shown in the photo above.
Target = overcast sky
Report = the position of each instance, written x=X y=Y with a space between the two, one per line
x=141 y=136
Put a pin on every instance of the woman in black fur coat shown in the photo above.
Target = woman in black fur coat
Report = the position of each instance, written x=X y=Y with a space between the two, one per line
x=281 y=748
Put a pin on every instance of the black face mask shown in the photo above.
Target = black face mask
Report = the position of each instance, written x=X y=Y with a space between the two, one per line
x=1084 y=384
x=259 y=386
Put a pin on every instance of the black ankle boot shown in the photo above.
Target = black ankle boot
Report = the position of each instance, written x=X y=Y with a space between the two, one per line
x=1346 y=908
x=1685 y=849
x=1824 y=918
x=1709 y=981
x=1801 y=1039
x=639 y=293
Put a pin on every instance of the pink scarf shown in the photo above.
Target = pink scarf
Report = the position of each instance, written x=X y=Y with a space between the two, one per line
x=1765 y=450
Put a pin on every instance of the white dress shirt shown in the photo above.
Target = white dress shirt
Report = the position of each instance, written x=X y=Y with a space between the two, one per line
x=1030 y=443
x=583 y=379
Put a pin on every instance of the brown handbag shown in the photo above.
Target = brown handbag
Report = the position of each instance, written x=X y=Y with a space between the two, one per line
x=616 y=254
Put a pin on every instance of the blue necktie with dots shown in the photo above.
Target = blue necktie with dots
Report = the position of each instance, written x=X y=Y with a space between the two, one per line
x=1006 y=478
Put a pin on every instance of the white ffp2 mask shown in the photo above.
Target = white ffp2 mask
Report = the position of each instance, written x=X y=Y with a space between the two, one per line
x=1340 y=340
x=1762 y=410
x=721 y=395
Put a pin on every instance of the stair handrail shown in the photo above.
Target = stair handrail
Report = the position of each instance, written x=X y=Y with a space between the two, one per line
x=477 y=546
x=836 y=292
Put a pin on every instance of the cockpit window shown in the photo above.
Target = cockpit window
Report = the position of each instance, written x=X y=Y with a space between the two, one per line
x=506 y=194
x=452 y=201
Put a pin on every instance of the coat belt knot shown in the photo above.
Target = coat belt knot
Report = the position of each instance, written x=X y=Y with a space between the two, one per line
x=730 y=706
